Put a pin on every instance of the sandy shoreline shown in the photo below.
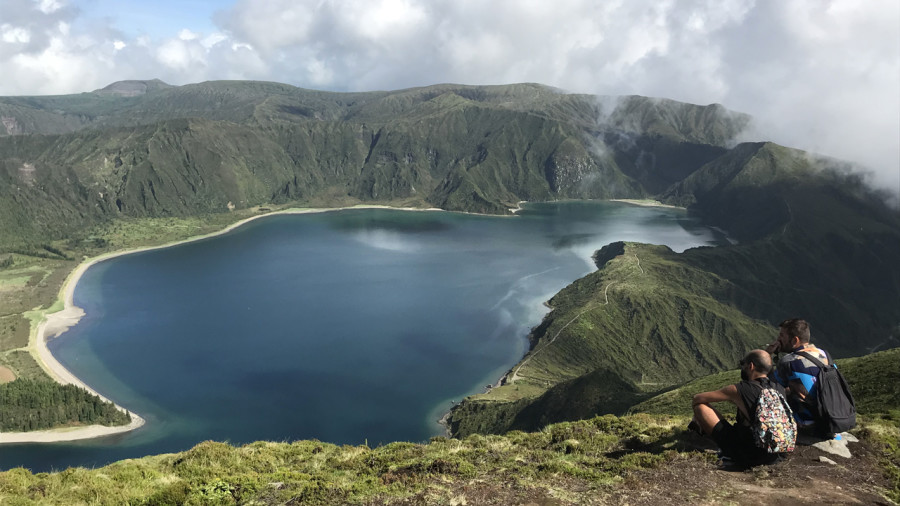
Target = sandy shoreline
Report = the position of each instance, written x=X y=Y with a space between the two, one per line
x=56 y=323
x=52 y=326
x=647 y=203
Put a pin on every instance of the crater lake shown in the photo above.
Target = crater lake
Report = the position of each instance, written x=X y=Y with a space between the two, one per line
x=357 y=326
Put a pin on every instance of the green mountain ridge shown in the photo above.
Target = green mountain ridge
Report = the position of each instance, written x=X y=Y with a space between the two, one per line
x=82 y=174
x=183 y=150
x=813 y=249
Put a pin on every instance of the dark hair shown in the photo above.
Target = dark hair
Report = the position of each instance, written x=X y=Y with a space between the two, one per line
x=796 y=327
x=761 y=361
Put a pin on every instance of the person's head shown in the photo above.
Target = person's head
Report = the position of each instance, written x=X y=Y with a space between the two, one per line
x=794 y=332
x=756 y=364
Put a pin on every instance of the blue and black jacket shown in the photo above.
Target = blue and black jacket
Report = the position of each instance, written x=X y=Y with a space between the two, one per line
x=798 y=374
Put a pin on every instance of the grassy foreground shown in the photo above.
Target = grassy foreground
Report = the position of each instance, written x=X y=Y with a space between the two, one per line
x=598 y=461
x=570 y=460
x=601 y=460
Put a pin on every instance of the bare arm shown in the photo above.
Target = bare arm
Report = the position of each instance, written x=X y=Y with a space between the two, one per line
x=727 y=393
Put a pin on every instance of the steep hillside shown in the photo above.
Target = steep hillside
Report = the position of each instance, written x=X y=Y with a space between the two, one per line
x=815 y=243
x=643 y=322
x=144 y=148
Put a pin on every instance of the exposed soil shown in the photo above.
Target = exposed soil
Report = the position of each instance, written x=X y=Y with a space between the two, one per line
x=691 y=477
x=6 y=375
x=802 y=478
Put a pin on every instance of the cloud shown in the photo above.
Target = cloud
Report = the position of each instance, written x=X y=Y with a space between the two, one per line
x=823 y=77
x=817 y=74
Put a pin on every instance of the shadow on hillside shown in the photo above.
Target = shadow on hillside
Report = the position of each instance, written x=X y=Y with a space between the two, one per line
x=680 y=441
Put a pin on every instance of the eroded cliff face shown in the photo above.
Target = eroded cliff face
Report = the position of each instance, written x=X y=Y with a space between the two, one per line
x=11 y=124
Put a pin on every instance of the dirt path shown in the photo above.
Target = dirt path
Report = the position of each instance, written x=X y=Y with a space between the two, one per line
x=639 y=263
x=804 y=478
x=790 y=216
x=877 y=347
x=515 y=374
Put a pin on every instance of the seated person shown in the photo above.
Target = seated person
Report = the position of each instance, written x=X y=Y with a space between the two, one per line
x=796 y=373
x=737 y=442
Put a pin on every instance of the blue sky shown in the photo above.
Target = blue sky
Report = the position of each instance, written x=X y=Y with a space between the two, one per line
x=819 y=75
x=157 y=19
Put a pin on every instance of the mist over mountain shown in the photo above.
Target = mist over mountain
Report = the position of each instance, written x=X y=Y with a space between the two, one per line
x=813 y=239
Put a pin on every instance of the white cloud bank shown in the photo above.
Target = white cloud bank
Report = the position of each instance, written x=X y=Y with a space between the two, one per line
x=817 y=74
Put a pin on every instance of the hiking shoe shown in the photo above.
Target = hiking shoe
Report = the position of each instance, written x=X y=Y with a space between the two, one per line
x=695 y=427
x=727 y=463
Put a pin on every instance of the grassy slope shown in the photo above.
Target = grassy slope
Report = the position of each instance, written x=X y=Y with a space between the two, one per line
x=874 y=380
x=815 y=243
x=598 y=460
x=643 y=315
x=678 y=316
x=568 y=461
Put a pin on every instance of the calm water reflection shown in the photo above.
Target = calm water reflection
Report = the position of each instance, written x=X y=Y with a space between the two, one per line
x=349 y=327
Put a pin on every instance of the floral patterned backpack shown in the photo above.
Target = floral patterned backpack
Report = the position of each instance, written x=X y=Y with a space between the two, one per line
x=774 y=427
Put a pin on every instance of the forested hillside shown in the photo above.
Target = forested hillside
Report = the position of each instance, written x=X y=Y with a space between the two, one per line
x=35 y=405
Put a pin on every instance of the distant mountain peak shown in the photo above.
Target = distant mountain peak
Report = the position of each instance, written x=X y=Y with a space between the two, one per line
x=133 y=88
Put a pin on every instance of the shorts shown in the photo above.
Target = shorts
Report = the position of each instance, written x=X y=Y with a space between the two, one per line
x=736 y=443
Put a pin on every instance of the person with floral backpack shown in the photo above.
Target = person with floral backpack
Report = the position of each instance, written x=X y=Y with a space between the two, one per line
x=765 y=429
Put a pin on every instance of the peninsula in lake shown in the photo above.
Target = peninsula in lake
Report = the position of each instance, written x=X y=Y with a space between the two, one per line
x=143 y=163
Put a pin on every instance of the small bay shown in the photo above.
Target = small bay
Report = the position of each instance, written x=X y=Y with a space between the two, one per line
x=358 y=326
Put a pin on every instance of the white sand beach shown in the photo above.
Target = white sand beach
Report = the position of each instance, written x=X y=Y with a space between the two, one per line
x=52 y=326
x=646 y=203
x=635 y=202
x=69 y=433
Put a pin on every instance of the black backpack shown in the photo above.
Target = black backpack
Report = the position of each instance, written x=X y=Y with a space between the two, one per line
x=836 y=410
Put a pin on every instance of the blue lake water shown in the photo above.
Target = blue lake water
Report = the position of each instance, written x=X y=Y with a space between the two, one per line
x=351 y=327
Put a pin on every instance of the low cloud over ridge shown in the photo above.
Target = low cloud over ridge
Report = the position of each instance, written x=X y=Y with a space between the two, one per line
x=817 y=75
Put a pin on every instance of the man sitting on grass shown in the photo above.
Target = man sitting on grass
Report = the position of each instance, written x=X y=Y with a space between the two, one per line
x=740 y=442
x=799 y=376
